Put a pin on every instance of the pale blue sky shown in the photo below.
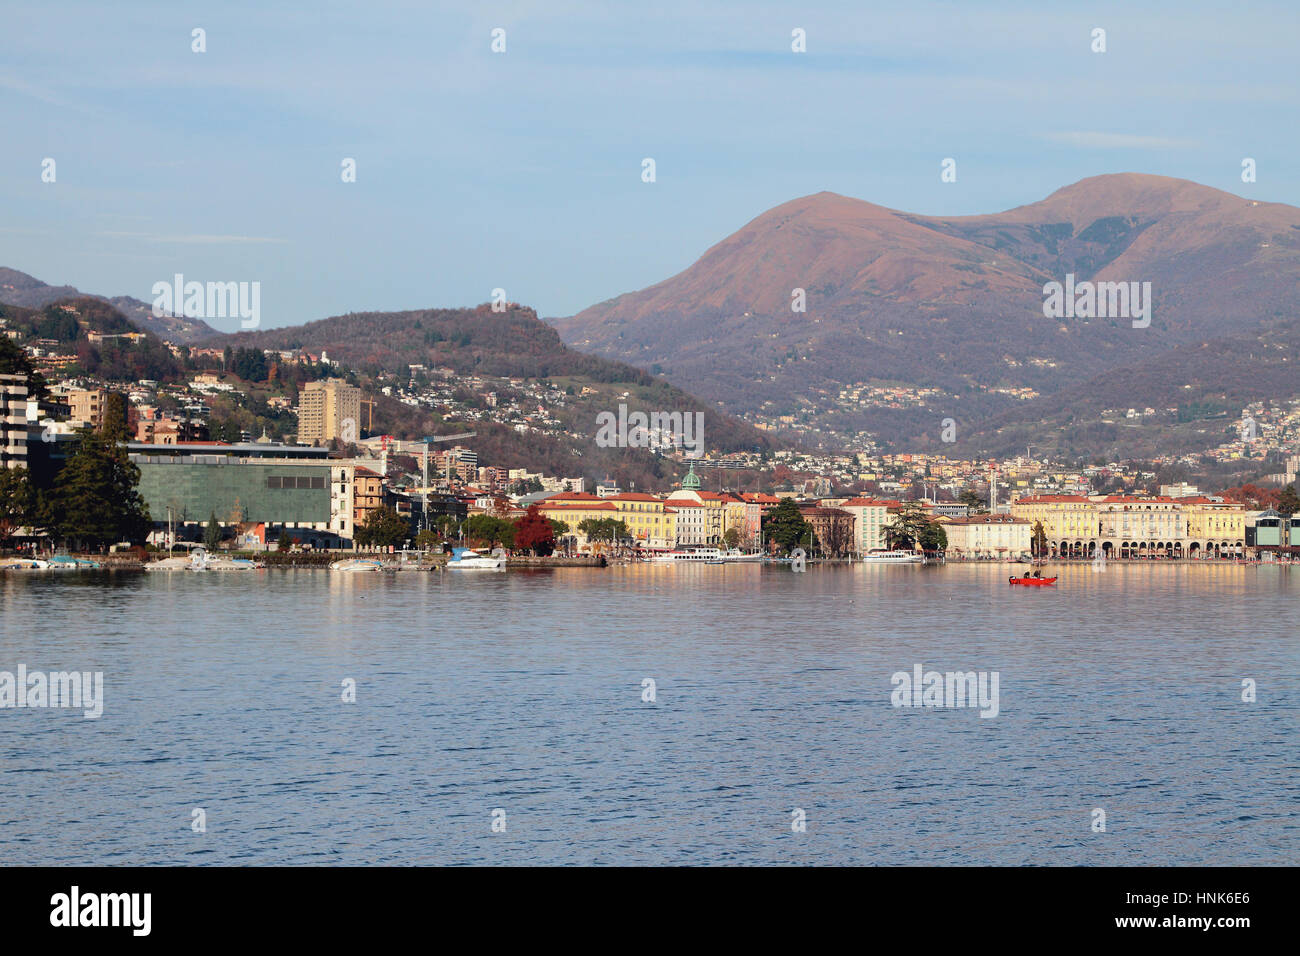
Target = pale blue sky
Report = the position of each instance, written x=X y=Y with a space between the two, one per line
x=523 y=170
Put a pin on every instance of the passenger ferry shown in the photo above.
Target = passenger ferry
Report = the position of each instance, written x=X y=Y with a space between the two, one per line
x=893 y=557
x=705 y=556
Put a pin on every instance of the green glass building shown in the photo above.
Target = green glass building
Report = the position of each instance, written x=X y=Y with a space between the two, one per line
x=191 y=489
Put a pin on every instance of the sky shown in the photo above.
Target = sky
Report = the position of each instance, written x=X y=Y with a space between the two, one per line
x=522 y=170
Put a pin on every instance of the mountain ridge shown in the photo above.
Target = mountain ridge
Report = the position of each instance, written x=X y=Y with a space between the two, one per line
x=948 y=302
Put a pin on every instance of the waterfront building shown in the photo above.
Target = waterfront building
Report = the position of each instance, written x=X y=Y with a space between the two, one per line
x=367 y=494
x=833 y=528
x=1268 y=531
x=870 y=518
x=987 y=536
x=1214 y=526
x=1133 y=527
x=651 y=521
x=1066 y=519
x=745 y=517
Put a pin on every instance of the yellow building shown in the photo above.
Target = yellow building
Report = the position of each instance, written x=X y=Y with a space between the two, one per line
x=650 y=521
x=325 y=410
x=1214 y=527
x=1065 y=518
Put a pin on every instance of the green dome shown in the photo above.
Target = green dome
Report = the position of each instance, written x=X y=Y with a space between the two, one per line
x=692 y=481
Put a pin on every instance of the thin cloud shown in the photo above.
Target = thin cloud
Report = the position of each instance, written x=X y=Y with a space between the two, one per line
x=1093 y=139
x=194 y=239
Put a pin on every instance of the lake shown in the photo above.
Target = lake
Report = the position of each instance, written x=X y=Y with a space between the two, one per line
x=517 y=701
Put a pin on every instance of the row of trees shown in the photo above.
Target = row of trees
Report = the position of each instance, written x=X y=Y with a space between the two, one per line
x=533 y=532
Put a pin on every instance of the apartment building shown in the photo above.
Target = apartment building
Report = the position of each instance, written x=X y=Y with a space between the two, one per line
x=325 y=410
x=13 y=421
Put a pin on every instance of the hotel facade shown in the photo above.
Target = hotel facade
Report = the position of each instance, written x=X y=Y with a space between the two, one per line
x=1126 y=526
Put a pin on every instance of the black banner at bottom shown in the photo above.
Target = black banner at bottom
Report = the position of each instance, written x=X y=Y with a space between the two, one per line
x=1223 y=906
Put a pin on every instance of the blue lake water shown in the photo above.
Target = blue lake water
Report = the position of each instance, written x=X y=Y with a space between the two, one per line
x=1120 y=690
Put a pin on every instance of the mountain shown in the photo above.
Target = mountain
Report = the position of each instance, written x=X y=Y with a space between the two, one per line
x=949 y=310
x=504 y=350
x=18 y=288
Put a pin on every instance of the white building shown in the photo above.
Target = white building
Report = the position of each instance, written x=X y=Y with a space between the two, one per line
x=870 y=518
x=987 y=536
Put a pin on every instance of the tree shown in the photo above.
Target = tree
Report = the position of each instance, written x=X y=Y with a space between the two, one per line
x=1038 y=543
x=426 y=540
x=785 y=526
x=1288 y=502
x=904 y=532
x=534 y=532
x=383 y=528
x=17 y=502
x=490 y=530
x=933 y=537
x=604 y=529
x=837 y=537
x=212 y=533
x=285 y=542
x=974 y=501
x=731 y=537
x=95 y=501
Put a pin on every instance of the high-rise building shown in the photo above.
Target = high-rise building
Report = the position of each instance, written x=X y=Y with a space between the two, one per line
x=325 y=410
x=13 y=421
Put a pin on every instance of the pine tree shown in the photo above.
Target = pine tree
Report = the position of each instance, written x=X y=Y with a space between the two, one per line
x=212 y=533
x=95 y=501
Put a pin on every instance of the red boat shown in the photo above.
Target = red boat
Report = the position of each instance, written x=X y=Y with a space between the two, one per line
x=1039 y=582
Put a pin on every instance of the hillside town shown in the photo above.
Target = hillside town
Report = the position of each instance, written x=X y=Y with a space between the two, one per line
x=260 y=492
x=317 y=475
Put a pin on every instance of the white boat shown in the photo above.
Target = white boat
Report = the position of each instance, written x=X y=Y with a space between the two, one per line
x=735 y=554
x=467 y=559
x=168 y=564
x=23 y=564
x=893 y=557
x=689 y=556
x=357 y=564
x=201 y=560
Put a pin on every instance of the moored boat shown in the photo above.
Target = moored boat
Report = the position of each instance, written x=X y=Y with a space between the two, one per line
x=893 y=557
x=704 y=556
x=467 y=559
x=66 y=562
x=357 y=564
x=23 y=564
x=200 y=560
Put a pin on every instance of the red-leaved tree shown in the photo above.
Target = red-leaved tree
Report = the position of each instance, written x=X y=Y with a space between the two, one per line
x=534 y=532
